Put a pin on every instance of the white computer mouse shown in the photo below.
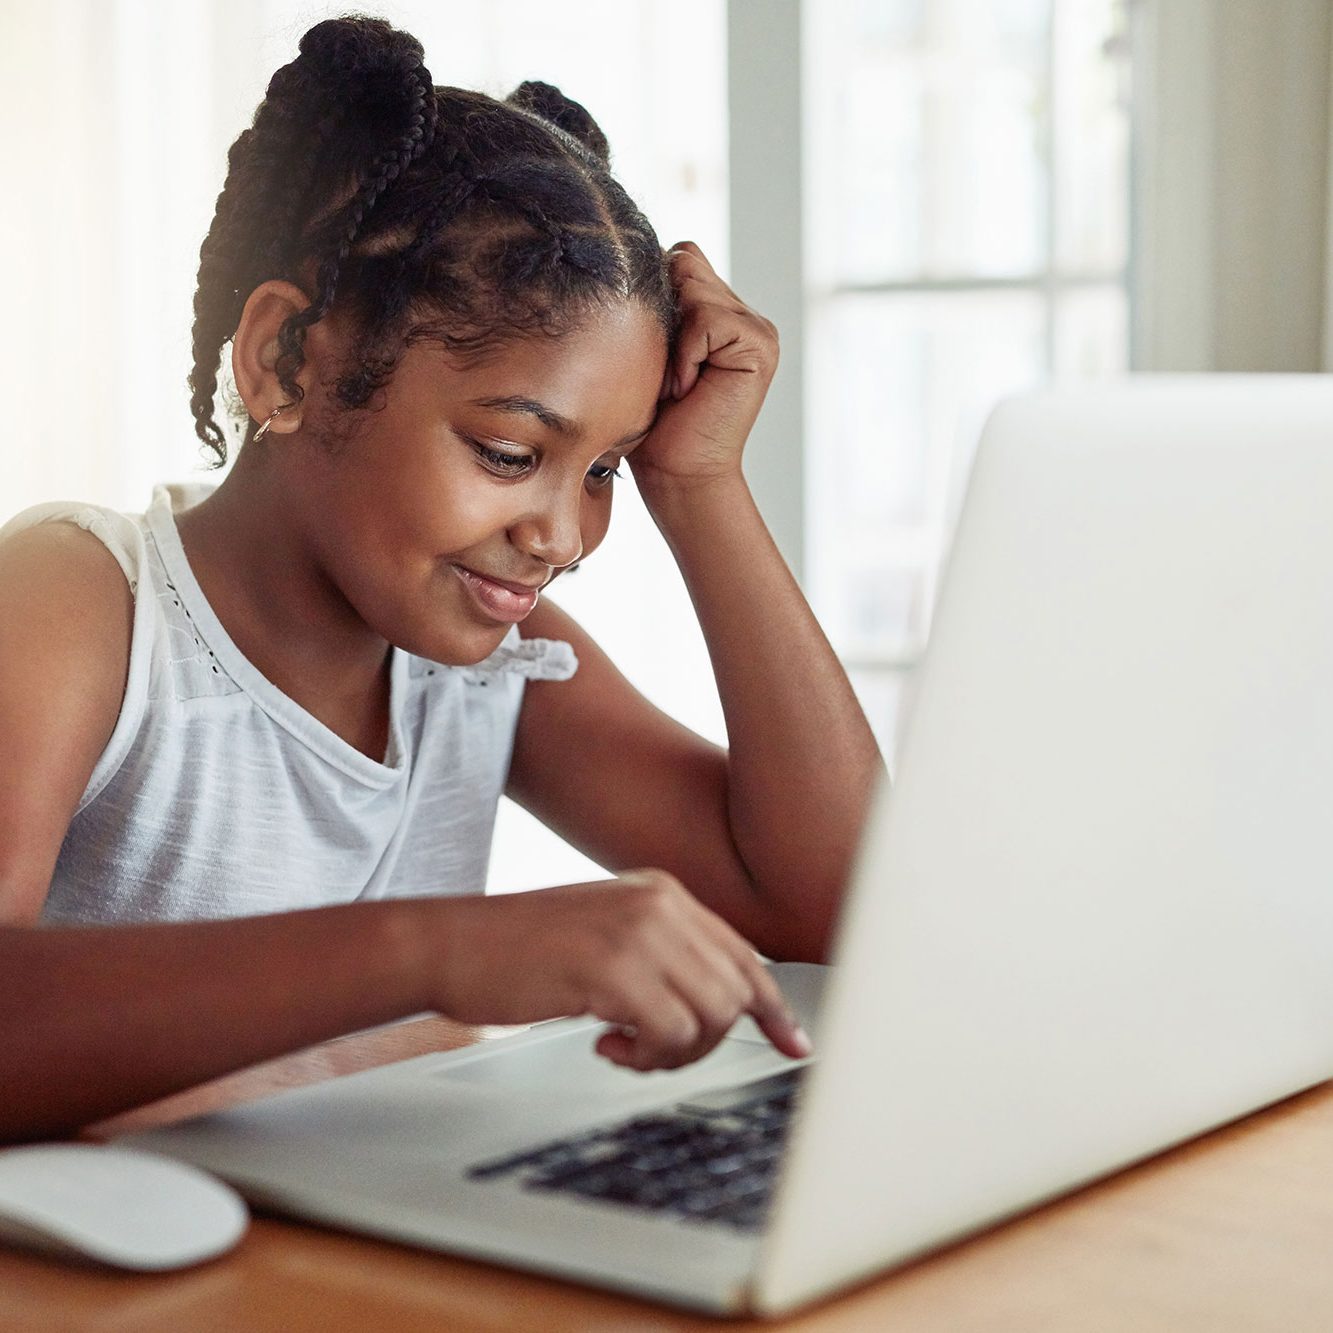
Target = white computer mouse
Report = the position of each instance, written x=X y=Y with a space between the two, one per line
x=118 y=1206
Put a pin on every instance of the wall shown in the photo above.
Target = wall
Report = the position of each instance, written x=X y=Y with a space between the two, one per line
x=1232 y=109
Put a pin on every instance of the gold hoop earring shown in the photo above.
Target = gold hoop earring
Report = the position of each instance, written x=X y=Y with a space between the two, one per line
x=272 y=417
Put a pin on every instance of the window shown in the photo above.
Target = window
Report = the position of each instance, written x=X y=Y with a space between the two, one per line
x=967 y=220
x=965 y=166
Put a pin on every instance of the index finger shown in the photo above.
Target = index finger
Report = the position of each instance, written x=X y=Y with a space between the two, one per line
x=773 y=1015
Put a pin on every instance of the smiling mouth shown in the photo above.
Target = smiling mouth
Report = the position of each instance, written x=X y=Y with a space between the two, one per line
x=502 y=601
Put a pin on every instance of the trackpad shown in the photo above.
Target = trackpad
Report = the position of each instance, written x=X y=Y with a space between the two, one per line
x=564 y=1065
x=560 y=1063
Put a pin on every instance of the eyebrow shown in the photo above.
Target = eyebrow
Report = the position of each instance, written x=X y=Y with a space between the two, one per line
x=549 y=418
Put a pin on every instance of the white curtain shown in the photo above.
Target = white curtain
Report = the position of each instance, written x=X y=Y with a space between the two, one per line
x=117 y=120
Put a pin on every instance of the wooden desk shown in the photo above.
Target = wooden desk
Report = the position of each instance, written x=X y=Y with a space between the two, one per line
x=1231 y=1232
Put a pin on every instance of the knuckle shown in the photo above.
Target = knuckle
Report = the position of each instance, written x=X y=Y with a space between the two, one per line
x=662 y=887
x=745 y=995
x=768 y=341
x=652 y=877
x=682 y=1031
x=649 y=894
x=721 y=1007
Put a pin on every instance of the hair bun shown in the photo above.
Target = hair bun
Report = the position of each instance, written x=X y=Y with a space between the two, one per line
x=368 y=65
x=548 y=102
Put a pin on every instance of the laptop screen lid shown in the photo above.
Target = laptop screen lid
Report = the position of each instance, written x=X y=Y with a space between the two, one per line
x=1094 y=916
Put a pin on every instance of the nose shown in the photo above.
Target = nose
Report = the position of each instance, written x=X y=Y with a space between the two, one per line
x=552 y=531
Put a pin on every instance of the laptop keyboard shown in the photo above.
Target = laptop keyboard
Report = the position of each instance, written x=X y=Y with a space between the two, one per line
x=711 y=1159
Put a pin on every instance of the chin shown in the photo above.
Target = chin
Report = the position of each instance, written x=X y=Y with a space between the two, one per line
x=460 y=650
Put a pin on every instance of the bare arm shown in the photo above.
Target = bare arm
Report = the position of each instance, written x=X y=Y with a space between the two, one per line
x=802 y=760
x=96 y=1020
x=763 y=833
x=65 y=620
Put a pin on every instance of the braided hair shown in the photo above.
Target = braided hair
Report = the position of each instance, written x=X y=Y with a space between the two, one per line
x=423 y=213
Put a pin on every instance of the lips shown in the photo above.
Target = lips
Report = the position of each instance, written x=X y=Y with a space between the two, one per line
x=500 y=599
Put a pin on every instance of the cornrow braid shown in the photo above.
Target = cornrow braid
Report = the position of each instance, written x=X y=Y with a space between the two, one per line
x=384 y=170
x=417 y=213
x=458 y=179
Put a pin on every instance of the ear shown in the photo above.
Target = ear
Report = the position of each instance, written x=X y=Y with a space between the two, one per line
x=254 y=353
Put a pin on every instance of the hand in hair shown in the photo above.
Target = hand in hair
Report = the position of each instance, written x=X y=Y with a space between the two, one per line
x=720 y=367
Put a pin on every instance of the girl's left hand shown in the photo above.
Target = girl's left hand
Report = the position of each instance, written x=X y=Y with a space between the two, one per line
x=717 y=374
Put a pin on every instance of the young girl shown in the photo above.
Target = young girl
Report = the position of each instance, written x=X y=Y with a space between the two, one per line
x=307 y=687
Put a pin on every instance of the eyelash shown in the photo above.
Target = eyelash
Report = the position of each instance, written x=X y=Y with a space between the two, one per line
x=602 y=475
x=505 y=465
x=518 y=465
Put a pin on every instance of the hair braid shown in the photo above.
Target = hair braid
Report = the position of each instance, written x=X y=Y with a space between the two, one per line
x=228 y=261
x=385 y=169
x=417 y=213
x=457 y=183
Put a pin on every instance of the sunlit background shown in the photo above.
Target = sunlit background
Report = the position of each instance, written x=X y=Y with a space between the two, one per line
x=939 y=201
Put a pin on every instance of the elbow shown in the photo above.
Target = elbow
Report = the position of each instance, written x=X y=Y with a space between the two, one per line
x=804 y=932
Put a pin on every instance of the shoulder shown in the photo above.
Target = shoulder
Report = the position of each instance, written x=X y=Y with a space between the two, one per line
x=67 y=611
x=66 y=626
x=60 y=572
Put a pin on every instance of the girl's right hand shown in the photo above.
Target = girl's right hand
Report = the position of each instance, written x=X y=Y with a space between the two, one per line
x=637 y=951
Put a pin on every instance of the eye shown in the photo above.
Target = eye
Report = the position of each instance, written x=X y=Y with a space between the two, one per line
x=601 y=475
x=498 y=461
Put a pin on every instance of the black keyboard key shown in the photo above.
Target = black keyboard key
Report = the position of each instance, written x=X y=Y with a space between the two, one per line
x=711 y=1159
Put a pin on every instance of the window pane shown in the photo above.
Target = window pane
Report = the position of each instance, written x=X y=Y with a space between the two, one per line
x=900 y=385
x=926 y=123
x=1091 y=136
x=1092 y=332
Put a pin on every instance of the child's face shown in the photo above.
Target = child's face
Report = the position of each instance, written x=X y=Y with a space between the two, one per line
x=457 y=488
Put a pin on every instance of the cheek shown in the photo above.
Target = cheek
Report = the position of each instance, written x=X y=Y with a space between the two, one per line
x=440 y=510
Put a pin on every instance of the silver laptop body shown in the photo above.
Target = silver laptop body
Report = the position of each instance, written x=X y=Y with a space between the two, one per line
x=1092 y=918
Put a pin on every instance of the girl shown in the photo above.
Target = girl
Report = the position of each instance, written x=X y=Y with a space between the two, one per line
x=307 y=687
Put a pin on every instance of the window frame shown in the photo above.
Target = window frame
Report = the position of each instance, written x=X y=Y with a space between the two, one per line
x=767 y=92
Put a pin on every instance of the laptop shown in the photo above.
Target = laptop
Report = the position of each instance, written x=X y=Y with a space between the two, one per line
x=1091 y=918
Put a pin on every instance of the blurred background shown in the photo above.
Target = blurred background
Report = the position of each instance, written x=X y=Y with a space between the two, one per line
x=939 y=202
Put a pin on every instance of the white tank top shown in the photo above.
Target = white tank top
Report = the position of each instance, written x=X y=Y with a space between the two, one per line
x=217 y=795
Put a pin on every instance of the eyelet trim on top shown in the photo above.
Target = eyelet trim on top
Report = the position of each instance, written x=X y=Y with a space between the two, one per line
x=535 y=659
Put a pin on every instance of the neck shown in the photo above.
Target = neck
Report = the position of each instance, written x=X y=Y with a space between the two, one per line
x=261 y=573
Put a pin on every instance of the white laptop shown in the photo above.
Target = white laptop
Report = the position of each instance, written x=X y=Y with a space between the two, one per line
x=1092 y=918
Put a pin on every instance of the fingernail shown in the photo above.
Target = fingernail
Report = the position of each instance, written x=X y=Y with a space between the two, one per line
x=802 y=1038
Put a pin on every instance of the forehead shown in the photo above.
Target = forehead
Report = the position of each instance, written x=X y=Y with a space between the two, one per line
x=603 y=376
